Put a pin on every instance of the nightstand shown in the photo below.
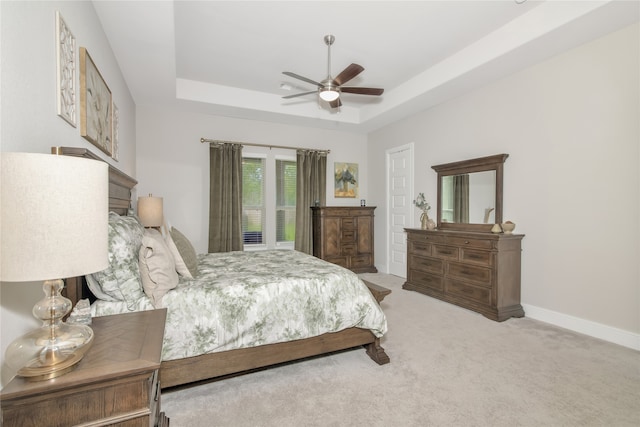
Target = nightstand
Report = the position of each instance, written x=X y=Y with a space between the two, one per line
x=116 y=383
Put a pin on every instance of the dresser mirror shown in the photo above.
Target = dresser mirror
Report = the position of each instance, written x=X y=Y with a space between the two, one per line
x=470 y=193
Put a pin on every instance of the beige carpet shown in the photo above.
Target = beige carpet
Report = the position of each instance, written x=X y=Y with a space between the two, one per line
x=449 y=367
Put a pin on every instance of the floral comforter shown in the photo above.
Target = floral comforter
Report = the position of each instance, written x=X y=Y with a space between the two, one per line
x=245 y=299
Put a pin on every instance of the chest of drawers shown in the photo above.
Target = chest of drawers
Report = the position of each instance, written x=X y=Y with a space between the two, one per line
x=477 y=271
x=343 y=235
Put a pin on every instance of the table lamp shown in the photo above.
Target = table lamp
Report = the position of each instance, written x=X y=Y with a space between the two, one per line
x=53 y=225
x=150 y=211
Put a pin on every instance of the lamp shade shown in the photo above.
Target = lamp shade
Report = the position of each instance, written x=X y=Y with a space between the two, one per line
x=53 y=216
x=150 y=211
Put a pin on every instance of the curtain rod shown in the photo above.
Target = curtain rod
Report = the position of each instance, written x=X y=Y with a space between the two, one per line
x=217 y=141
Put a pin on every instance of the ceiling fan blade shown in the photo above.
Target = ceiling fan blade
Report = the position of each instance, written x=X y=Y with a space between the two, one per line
x=304 y=79
x=362 y=90
x=299 y=94
x=348 y=73
x=335 y=104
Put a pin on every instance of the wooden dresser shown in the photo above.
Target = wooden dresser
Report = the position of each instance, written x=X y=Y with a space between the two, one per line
x=477 y=271
x=116 y=383
x=344 y=236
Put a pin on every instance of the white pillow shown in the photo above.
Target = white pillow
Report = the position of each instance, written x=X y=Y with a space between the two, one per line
x=157 y=267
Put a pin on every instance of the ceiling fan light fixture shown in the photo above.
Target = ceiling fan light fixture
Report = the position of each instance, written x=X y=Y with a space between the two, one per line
x=328 y=94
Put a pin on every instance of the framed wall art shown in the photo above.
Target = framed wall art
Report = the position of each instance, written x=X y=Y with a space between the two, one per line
x=66 y=71
x=346 y=180
x=95 y=105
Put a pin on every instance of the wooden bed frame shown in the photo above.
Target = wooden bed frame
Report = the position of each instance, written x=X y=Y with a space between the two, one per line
x=219 y=364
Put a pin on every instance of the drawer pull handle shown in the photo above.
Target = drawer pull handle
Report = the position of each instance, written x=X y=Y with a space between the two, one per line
x=466 y=242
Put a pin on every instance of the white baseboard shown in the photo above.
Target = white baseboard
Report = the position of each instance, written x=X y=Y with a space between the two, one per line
x=587 y=327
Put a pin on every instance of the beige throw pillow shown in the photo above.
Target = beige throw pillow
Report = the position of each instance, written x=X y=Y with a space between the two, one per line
x=157 y=267
x=187 y=251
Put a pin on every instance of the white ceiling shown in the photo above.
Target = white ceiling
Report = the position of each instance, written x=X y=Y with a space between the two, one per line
x=227 y=57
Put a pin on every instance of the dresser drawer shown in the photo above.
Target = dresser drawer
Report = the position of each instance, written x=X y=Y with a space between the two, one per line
x=419 y=247
x=430 y=265
x=468 y=291
x=348 y=224
x=477 y=274
x=341 y=261
x=431 y=281
x=348 y=250
x=422 y=237
x=361 y=261
x=470 y=242
x=446 y=252
x=348 y=236
x=476 y=257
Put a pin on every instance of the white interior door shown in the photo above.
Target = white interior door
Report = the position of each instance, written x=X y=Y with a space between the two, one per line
x=399 y=190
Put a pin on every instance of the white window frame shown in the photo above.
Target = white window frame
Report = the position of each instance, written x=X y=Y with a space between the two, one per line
x=270 y=156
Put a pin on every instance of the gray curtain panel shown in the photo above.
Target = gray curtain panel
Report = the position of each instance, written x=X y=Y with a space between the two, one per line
x=461 y=199
x=225 y=198
x=310 y=187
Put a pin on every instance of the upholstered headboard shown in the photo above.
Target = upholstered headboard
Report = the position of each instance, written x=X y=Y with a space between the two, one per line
x=120 y=186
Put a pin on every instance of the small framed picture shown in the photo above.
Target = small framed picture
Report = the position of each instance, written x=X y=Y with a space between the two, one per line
x=346 y=180
x=96 y=113
x=66 y=71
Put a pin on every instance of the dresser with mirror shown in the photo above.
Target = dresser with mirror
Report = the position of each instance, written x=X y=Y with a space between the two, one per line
x=462 y=261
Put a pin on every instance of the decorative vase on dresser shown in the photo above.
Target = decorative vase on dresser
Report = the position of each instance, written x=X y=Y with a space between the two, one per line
x=343 y=235
x=475 y=270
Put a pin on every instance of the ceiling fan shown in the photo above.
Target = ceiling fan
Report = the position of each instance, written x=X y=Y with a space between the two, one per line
x=329 y=89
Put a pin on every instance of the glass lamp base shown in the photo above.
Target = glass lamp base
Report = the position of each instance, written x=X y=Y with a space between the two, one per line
x=38 y=356
x=53 y=349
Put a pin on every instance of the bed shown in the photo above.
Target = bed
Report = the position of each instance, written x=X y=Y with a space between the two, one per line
x=219 y=344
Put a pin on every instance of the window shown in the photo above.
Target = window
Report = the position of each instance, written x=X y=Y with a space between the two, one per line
x=285 y=201
x=268 y=201
x=253 y=207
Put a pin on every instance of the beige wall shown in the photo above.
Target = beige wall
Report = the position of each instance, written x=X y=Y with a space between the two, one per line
x=28 y=118
x=173 y=164
x=571 y=128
